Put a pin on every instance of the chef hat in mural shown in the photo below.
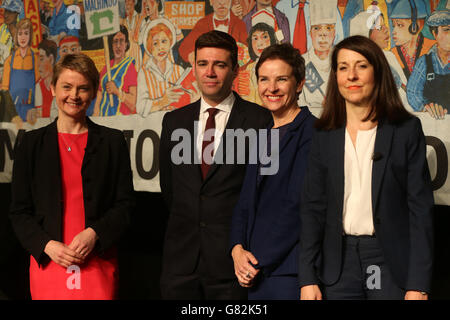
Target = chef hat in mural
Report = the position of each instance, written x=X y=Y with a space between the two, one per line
x=360 y=24
x=268 y=17
x=323 y=12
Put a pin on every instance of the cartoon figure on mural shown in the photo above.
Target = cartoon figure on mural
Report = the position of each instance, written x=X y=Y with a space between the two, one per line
x=281 y=21
x=43 y=94
x=12 y=9
x=408 y=20
x=123 y=83
x=260 y=37
x=428 y=86
x=350 y=8
x=221 y=19
x=372 y=25
x=298 y=13
x=131 y=22
x=58 y=24
x=159 y=78
x=241 y=8
x=317 y=59
x=21 y=70
x=45 y=11
x=69 y=45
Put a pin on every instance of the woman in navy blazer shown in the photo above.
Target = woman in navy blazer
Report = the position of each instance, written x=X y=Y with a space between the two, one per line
x=372 y=237
x=265 y=224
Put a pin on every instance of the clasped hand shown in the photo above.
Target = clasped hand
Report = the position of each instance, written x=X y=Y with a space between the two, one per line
x=74 y=253
x=243 y=266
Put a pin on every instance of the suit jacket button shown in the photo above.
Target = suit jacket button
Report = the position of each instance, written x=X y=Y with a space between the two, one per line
x=202 y=224
x=377 y=220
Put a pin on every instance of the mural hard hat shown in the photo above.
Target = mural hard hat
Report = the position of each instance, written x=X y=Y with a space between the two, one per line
x=409 y=9
x=12 y=5
x=439 y=18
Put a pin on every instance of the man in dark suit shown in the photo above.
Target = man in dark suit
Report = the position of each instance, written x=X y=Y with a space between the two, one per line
x=201 y=195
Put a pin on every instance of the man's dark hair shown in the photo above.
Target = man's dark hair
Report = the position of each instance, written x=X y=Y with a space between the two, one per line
x=218 y=39
x=287 y=53
x=50 y=48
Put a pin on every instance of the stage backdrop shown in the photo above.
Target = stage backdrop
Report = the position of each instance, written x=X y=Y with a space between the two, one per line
x=145 y=63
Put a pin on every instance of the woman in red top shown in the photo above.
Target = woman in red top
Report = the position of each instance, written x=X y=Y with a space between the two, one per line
x=72 y=193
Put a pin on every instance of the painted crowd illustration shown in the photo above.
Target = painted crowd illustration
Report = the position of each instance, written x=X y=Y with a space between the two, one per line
x=151 y=56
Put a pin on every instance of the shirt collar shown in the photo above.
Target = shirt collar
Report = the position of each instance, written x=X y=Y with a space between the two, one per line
x=295 y=3
x=17 y=53
x=227 y=18
x=226 y=105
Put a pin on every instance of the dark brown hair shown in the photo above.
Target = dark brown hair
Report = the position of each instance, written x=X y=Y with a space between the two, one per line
x=80 y=63
x=385 y=101
x=218 y=39
x=50 y=48
x=287 y=53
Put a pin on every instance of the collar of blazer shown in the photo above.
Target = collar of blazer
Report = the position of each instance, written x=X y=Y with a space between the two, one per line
x=94 y=139
x=294 y=126
x=382 y=148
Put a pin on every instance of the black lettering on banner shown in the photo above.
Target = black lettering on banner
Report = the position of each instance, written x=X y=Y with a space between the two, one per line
x=148 y=175
x=128 y=134
x=5 y=141
x=441 y=161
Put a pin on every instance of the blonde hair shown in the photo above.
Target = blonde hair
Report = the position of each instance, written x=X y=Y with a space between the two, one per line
x=21 y=25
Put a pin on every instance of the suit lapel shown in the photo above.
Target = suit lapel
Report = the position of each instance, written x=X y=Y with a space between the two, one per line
x=94 y=139
x=191 y=125
x=337 y=149
x=382 y=149
x=52 y=168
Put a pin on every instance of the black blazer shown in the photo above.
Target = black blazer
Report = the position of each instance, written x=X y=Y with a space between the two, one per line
x=36 y=206
x=402 y=204
x=200 y=211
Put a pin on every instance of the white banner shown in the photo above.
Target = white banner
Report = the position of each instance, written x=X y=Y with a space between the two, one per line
x=102 y=17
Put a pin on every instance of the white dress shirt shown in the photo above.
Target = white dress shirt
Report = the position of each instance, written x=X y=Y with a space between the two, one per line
x=357 y=211
x=221 y=119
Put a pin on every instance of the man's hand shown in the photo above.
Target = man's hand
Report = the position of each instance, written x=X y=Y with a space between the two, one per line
x=243 y=268
x=311 y=292
x=415 y=295
x=62 y=254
